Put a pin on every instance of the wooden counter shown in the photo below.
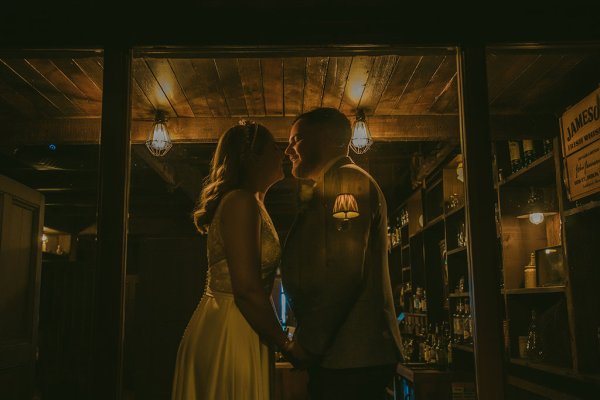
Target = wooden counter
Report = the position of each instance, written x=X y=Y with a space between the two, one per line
x=427 y=383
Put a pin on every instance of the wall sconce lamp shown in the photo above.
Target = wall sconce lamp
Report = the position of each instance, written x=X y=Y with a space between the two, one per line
x=536 y=208
x=345 y=209
x=361 y=136
x=159 y=142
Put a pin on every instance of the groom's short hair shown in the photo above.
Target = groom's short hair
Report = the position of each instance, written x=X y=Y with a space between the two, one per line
x=333 y=121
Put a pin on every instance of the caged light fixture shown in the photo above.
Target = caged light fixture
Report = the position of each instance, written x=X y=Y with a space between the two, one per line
x=159 y=142
x=361 y=137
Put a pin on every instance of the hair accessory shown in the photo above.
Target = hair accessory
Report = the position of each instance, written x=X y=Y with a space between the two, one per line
x=250 y=133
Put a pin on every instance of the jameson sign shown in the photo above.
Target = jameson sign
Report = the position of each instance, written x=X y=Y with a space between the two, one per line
x=580 y=130
x=580 y=124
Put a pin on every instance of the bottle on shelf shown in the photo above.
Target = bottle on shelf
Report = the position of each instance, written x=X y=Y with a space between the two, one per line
x=424 y=302
x=515 y=155
x=467 y=332
x=534 y=345
x=528 y=152
x=458 y=323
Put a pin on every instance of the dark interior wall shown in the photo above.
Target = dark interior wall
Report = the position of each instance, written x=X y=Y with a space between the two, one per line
x=166 y=289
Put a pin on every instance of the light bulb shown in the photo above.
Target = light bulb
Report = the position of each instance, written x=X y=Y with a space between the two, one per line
x=536 y=218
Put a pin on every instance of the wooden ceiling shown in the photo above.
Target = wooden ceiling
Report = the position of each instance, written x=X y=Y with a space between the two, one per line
x=406 y=97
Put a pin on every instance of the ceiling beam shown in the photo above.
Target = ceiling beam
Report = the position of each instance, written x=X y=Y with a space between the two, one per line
x=194 y=130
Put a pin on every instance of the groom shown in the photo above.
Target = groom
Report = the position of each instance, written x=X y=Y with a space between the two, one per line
x=337 y=277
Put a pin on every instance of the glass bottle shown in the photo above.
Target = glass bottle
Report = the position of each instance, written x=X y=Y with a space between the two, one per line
x=515 y=155
x=467 y=338
x=528 y=152
x=424 y=302
x=534 y=345
x=458 y=323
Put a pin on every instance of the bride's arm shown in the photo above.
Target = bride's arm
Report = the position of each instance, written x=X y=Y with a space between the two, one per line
x=240 y=227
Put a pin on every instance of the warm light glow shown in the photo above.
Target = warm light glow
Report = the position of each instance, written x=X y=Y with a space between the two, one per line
x=159 y=142
x=536 y=218
x=44 y=238
x=345 y=207
x=361 y=136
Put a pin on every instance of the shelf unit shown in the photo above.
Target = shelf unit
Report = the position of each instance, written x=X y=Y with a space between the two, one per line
x=568 y=308
x=435 y=259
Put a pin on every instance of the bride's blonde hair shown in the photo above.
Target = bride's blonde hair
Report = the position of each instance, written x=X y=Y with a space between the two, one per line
x=227 y=168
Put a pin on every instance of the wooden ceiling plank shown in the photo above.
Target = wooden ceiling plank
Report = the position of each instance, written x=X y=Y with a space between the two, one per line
x=549 y=83
x=508 y=101
x=272 y=71
x=355 y=85
x=164 y=75
x=447 y=101
x=45 y=87
x=93 y=69
x=503 y=70
x=294 y=69
x=419 y=80
x=141 y=107
x=403 y=72
x=151 y=88
x=335 y=81
x=209 y=80
x=435 y=87
x=380 y=75
x=194 y=90
x=64 y=84
x=251 y=76
x=316 y=69
x=73 y=71
x=17 y=101
x=43 y=106
x=231 y=82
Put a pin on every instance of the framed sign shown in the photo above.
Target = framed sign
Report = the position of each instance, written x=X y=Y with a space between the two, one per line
x=580 y=134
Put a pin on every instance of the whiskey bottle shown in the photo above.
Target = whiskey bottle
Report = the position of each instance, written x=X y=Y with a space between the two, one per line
x=515 y=155
x=547 y=146
x=467 y=338
x=528 y=152
x=458 y=323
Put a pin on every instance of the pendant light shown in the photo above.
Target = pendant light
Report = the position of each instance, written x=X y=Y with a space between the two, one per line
x=361 y=137
x=159 y=142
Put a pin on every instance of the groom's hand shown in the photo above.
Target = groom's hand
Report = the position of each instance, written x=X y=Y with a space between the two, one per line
x=298 y=356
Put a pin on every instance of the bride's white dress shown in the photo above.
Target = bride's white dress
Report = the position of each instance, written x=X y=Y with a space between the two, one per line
x=220 y=356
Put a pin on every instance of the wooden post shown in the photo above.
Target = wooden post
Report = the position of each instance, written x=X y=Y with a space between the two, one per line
x=480 y=221
x=109 y=283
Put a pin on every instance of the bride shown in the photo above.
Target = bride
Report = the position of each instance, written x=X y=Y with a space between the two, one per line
x=223 y=353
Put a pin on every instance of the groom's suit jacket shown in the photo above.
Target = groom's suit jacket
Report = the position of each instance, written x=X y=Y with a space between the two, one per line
x=338 y=281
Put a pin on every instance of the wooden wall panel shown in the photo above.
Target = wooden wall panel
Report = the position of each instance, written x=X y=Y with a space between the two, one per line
x=436 y=86
x=207 y=74
x=355 y=85
x=150 y=87
x=420 y=79
x=379 y=76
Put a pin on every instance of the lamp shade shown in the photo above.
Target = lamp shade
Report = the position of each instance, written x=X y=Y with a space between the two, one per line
x=159 y=142
x=345 y=207
x=361 y=136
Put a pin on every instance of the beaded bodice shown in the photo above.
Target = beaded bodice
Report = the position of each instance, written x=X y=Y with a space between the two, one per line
x=218 y=278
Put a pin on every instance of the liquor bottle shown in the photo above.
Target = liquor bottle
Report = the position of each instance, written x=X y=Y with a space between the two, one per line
x=424 y=302
x=528 y=152
x=458 y=323
x=515 y=155
x=534 y=345
x=466 y=326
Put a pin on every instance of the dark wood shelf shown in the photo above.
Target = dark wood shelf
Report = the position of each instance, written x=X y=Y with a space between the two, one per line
x=455 y=211
x=541 y=366
x=406 y=246
x=536 y=290
x=456 y=250
x=538 y=173
x=586 y=207
x=415 y=314
x=457 y=295
x=434 y=221
x=463 y=347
